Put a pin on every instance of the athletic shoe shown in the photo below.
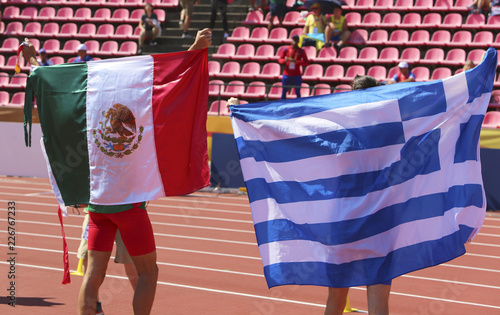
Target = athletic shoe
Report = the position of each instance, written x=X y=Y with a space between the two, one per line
x=98 y=309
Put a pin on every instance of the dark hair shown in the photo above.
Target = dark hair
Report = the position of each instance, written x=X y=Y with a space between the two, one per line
x=364 y=82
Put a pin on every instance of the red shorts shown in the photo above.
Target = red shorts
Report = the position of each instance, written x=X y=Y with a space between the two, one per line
x=135 y=229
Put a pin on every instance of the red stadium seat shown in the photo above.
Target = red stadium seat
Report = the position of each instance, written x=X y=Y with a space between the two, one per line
x=2 y=27
x=68 y=30
x=18 y=81
x=57 y=60
x=127 y=48
x=114 y=3
x=371 y=19
x=4 y=98
x=392 y=72
x=259 y=35
x=218 y=107
x=120 y=16
x=304 y=91
x=367 y=55
x=433 y=56
x=244 y=52
x=349 y=4
x=476 y=55
x=270 y=71
x=378 y=37
x=63 y=14
x=358 y=37
x=313 y=72
x=383 y=5
x=278 y=52
x=14 y=29
x=17 y=100
x=310 y=52
x=264 y=53
x=124 y=31
x=398 y=38
x=253 y=18
x=160 y=14
x=137 y=3
x=275 y=91
x=342 y=88
x=442 y=5
x=29 y=13
x=250 y=70
x=327 y=54
x=296 y=31
x=491 y=120
x=82 y=15
x=354 y=70
x=50 y=30
x=431 y=20
x=474 y=21
x=109 y=48
x=215 y=87
x=441 y=73
x=493 y=23
x=452 y=21
x=87 y=30
x=403 y=5
x=353 y=19
x=229 y=70
x=105 y=31
x=92 y=46
x=240 y=34
x=11 y=63
x=321 y=89
x=364 y=5
x=213 y=68
x=256 y=90
x=234 y=89
x=419 y=38
x=278 y=35
x=102 y=15
x=2 y=61
x=421 y=73
x=225 y=51
x=461 y=39
x=136 y=15
x=72 y=59
x=11 y=13
x=4 y=80
x=347 y=54
x=423 y=5
x=440 y=38
x=455 y=57
x=411 y=20
x=334 y=73
x=482 y=39
x=462 y=5
x=292 y=19
x=9 y=45
x=70 y=47
x=391 y=19
x=388 y=55
x=378 y=72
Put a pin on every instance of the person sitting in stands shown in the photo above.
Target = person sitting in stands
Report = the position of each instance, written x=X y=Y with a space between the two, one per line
x=480 y=6
x=149 y=25
x=44 y=61
x=82 y=54
x=337 y=29
x=314 y=30
x=404 y=75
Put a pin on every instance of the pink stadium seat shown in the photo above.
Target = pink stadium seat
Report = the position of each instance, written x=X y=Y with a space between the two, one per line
x=403 y=5
x=275 y=91
x=72 y=59
x=105 y=31
x=35 y=43
x=29 y=13
x=411 y=20
x=11 y=62
x=11 y=13
x=255 y=90
x=225 y=51
x=474 y=21
x=423 y=5
x=57 y=60
x=101 y=15
x=253 y=18
x=493 y=23
x=131 y=3
x=240 y=34
x=215 y=87
x=124 y=31
x=313 y=72
x=92 y=46
x=50 y=30
x=398 y=38
x=327 y=54
x=418 y=38
x=391 y=19
x=482 y=39
x=392 y=71
x=10 y=45
x=270 y=71
x=441 y=73
x=461 y=39
x=455 y=57
x=82 y=15
x=250 y=70
x=18 y=81
x=264 y=53
x=63 y=14
x=452 y=21
x=69 y=47
x=259 y=35
x=136 y=15
x=310 y=52
x=364 y=5
x=347 y=54
x=127 y=48
x=321 y=89
x=367 y=55
x=352 y=71
x=266 y=19
x=440 y=38
x=17 y=100
x=421 y=73
x=475 y=55
x=383 y=5
x=304 y=91
x=87 y=30
x=2 y=61
x=442 y=5
x=4 y=98
x=491 y=120
x=334 y=73
x=161 y=14
x=213 y=68
x=296 y=31
x=244 y=52
x=14 y=29
x=234 y=89
x=278 y=35
x=388 y=55
x=431 y=20
x=463 y=5
x=378 y=72
x=108 y=48
x=292 y=19
x=349 y=4
x=114 y=3
x=432 y=56
x=371 y=19
x=353 y=19
x=4 y=80
x=342 y=88
x=278 y=52
x=68 y=30
x=229 y=70
x=2 y=27
x=120 y=16
x=218 y=107
x=358 y=37
x=378 y=37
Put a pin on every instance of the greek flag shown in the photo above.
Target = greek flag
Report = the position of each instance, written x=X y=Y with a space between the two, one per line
x=358 y=188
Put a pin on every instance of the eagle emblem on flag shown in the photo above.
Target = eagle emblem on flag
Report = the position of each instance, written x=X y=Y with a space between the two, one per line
x=118 y=134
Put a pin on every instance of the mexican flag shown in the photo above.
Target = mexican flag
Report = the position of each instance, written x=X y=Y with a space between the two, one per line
x=123 y=130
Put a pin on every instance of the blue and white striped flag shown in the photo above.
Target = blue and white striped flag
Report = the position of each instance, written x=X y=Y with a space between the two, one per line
x=360 y=187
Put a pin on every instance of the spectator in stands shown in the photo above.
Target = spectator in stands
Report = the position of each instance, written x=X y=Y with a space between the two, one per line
x=293 y=57
x=186 y=13
x=150 y=27
x=314 y=30
x=469 y=64
x=44 y=61
x=219 y=6
x=480 y=6
x=337 y=29
x=495 y=7
x=404 y=75
x=278 y=9
x=82 y=54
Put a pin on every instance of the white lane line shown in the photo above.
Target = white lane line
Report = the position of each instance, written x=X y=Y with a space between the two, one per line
x=487 y=234
x=484 y=244
x=491 y=226
x=471 y=268
x=452 y=282
x=483 y=256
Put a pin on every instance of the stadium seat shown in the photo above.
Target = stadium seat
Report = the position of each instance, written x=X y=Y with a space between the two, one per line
x=270 y=71
x=475 y=55
x=18 y=81
x=278 y=35
x=349 y=4
x=253 y=18
x=136 y=15
x=411 y=20
x=4 y=80
x=275 y=91
x=353 y=71
x=460 y=39
x=50 y=30
x=120 y=16
x=57 y=60
x=278 y=52
x=423 y=5
x=474 y=21
x=244 y=52
x=4 y=98
x=378 y=37
x=327 y=55
x=108 y=48
x=63 y=14
x=124 y=31
x=334 y=73
x=358 y=37
x=72 y=59
x=102 y=15
x=442 y=5
x=240 y=34
x=347 y=54
x=391 y=19
x=296 y=31
x=250 y=70
x=440 y=38
x=342 y=88
x=454 y=57
x=255 y=90
x=462 y=5
x=432 y=56
x=367 y=55
x=131 y=3
x=321 y=89
x=410 y=55
x=258 y=35
x=28 y=13
x=398 y=38
x=2 y=27
x=378 y=72
x=421 y=73
x=229 y=70
x=353 y=19
x=364 y=5
x=304 y=91
x=105 y=31
x=312 y=72
x=225 y=51
x=310 y=52
x=452 y=21
x=69 y=47
x=87 y=30
x=82 y=15
x=215 y=87
x=127 y=48
x=14 y=29
x=292 y=19
x=482 y=39
x=92 y=46
x=419 y=38
x=371 y=20
x=213 y=68
x=493 y=23
x=11 y=62
x=17 y=100
x=68 y=30
x=264 y=53
x=114 y=3
x=431 y=20
x=403 y=5
x=218 y=107
x=11 y=13
x=2 y=61
x=234 y=89
x=491 y=120
x=441 y=73
x=9 y=45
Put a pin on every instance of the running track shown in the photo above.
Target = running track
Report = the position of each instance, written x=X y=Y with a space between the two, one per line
x=209 y=264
